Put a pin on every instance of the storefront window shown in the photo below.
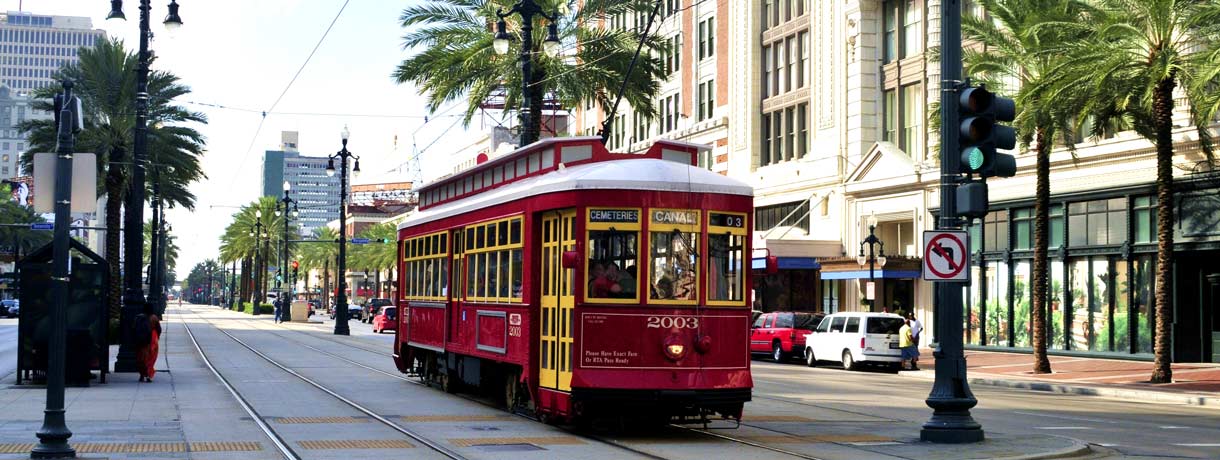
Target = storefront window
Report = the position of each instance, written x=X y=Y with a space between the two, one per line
x=974 y=322
x=995 y=231
x=1143 y=273
x=1145 y=219
x=1057 y=306
x=1021 y=285
x=1056 y=226
x=831 y=292
x=1079 y=313
x=1098 y=331
x=1098 y=222
x=997 y=304
x=1023 y=227
x=1122 y=312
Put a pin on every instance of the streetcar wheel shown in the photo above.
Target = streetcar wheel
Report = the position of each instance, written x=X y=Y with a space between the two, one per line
x=810 y=360
x=848 y=362
x=777 y=353
x=448 y=383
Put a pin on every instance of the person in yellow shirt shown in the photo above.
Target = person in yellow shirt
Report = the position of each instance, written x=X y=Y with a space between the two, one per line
x=906 y=342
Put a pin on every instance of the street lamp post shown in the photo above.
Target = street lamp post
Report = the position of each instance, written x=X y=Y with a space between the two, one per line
x=874 y=259
x=257 y=231
x=233 y=284
x=529 y=88
x=343 y=155
x=134 y=302
x=289 y=209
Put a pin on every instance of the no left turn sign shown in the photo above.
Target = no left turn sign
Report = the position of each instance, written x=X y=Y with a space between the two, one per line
x=945 y=255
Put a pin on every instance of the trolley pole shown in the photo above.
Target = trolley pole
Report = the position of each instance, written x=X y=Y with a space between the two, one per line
x=54 y=434
x=950 y=399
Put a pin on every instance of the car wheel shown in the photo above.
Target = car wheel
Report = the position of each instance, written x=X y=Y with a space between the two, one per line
x=777 y=353
x=848 y=362
x=810 y=360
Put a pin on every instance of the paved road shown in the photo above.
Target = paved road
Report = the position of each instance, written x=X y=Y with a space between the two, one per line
x=8 y=347
x=1130 y=428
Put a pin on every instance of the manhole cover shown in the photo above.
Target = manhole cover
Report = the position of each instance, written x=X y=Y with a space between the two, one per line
x=507 y=447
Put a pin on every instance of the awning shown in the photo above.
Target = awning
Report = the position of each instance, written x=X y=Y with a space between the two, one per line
x=878 y=273
x=787 y=263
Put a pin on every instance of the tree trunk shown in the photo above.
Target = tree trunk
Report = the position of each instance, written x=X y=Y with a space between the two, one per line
x=246 y=269
x=1162 y=108
x=114 y=235
x=1042 y=204
x=377 y=280
x=326 y=284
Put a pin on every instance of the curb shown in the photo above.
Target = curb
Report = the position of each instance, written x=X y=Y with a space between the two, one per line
x=1078 y=449
x=1157 y=397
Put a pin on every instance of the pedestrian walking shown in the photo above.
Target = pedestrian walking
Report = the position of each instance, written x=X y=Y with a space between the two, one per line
x=907 y=344
x=279 y=306
x=148 y=335
x=916 y=331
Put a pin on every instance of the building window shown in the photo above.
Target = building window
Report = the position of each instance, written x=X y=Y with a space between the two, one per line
x=831 y=292
x=890 y=124
x=777 y=78
x=765 y=153
x=995 y=231
x=794 y=214
x=766 y=76
x=889 y=44
x=802 y=126
x=707 y=101
x=1097 y=223
x=1023 y=228
x=912 y=114
x=767 y=7
x=803 y=44
x=673 y=54
x=912 y=27
x=1056 y=226
x=707 y=38
x=1144 y=214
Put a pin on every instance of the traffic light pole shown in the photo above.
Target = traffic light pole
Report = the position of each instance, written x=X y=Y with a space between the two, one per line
x=950 y=399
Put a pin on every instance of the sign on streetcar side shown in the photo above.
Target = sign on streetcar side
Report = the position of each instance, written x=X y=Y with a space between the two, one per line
x=945 y=255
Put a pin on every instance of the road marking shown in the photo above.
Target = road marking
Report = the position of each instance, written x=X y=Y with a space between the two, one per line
x=1065 y=417
x=1063 y=427
x=1103 y=444
x=1173 y=427
x=1199 y=444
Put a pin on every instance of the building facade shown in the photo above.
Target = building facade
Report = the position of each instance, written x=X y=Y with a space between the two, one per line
x=830 y=125
x=15 y=108
x=33 y=47
x=314 y=191
x=692 y=104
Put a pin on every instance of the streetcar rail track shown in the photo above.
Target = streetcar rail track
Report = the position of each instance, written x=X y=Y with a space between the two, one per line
x=450 y=453
x=527 y=417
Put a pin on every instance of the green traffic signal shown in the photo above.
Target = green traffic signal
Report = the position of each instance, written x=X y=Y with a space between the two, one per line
x=973 y=157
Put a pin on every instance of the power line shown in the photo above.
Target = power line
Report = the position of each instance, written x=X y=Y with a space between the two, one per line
x=314 y=114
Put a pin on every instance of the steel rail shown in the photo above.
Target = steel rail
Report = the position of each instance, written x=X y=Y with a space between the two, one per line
x=394 y=426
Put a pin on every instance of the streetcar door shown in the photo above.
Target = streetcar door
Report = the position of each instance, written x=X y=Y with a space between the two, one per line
x=558 y=300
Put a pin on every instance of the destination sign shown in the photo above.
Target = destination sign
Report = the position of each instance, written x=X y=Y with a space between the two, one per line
x=614 y=215
x=716 y=219
x=663 y=216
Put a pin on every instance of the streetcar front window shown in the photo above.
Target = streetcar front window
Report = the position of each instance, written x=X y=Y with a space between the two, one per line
x=673 y=273
x=725 y=267
x=612 y=272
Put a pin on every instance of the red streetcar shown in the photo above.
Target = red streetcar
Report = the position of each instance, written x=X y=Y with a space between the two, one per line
x=582 y=283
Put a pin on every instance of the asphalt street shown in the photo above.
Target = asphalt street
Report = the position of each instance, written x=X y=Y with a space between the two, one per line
x=1129 y=428
x=8 y=347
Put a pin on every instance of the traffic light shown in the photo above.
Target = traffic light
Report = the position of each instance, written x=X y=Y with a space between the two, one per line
x=981 y=136
x=979 y=141
x=278 y=278
x=295 y=264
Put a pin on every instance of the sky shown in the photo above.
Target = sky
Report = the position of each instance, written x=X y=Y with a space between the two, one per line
x=241 y=54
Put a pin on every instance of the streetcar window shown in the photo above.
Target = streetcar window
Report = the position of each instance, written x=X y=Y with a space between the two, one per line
x=548 y=158
x=725 y=265
x=515 y=232
x=535 y=159
x=521 y=167
x=518 y=261
x=502 y=233
x=672 y=271
x=612 y=272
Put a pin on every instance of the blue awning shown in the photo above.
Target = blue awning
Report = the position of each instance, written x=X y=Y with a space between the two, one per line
x=863 y=274
x=787 y=263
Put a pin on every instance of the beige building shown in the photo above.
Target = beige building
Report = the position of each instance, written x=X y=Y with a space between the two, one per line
x=830 y=125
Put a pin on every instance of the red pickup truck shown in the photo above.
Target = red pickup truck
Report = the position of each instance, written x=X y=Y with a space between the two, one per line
x=782 y=334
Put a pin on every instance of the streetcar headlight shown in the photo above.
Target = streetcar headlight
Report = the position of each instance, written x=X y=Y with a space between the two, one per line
x=674 y=349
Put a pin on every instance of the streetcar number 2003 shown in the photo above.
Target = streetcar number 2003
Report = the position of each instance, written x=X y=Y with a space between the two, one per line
x=673 y=322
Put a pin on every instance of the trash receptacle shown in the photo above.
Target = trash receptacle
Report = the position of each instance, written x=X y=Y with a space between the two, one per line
x=300 y=311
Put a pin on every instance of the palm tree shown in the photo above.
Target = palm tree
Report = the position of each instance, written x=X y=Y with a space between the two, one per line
x=381 y=253
x=319 y=256
x=23 y=240
x=1015 y=49
x=171 y=248
x=105 y=81
x=239 y=241
x=457 y=60
x=1126 y=72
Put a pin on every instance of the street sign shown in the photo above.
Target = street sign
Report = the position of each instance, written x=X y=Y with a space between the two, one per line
x=945 y=255
x=42 y=226
x=870 y=292
x=360 y=241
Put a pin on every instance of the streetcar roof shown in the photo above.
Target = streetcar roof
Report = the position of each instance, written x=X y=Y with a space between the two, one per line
x=626 y=174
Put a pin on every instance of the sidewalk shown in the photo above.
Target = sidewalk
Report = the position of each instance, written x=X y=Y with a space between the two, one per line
x=1193 y=383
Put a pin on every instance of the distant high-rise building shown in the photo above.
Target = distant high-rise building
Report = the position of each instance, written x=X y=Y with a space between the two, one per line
x=14 y=109
x=317 y=194
x=33 y=47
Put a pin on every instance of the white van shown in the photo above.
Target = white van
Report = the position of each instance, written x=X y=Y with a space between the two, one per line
x=856 y=338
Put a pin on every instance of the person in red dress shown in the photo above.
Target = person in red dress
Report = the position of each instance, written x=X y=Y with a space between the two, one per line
x=148 y=353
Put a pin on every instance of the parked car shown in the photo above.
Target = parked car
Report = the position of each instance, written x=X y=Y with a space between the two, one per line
x=371 y=308
x=314 y=306
x=353 y=312
x=782 y=334
x=856 y=339
x=386 y=320
x=10 y=308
